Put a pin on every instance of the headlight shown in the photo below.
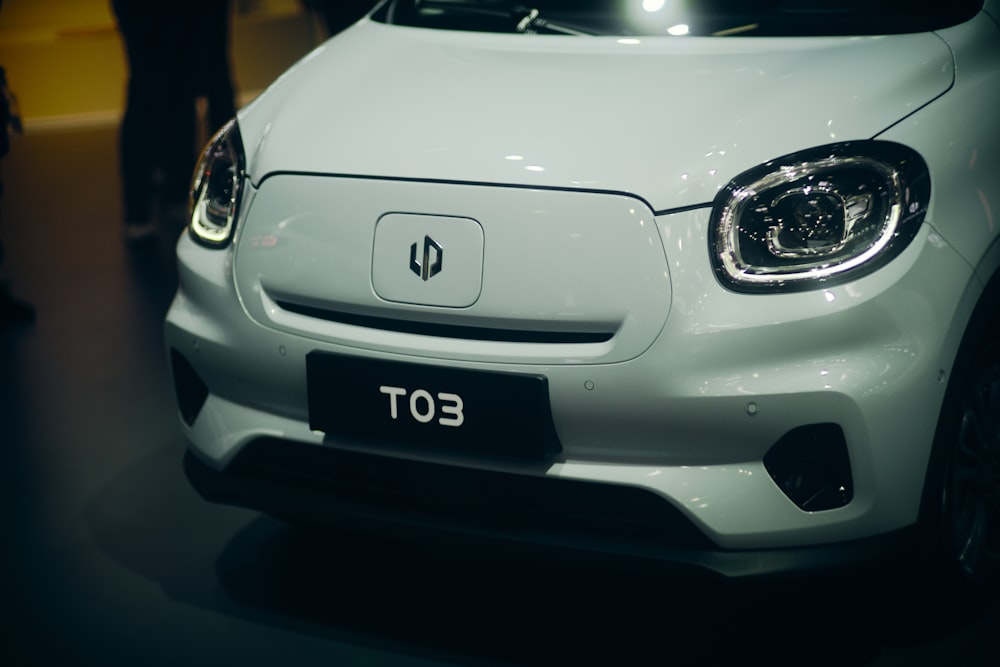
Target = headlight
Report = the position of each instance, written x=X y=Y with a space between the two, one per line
x=215 y=189
x=820 y=217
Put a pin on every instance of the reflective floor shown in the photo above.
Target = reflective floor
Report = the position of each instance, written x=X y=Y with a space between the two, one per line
x=109 y=558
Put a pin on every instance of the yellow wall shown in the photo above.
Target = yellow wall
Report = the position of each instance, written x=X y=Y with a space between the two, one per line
x=65 y=61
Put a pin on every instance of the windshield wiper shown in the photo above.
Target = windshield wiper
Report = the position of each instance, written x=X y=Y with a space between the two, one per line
x=532 y=22
x=527 y=20
x=519 y=18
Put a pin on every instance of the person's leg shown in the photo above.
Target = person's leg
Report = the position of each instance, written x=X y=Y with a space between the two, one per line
x=13 y=311
x=176 y=114
x=216 y=81
x=158 y=130
x=138 y=137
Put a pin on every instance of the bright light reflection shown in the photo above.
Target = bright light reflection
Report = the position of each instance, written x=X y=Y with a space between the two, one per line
x=653 y=5
x=513 y=157
x=535 y=167
x=628 y=40
x=679 y=30
x=829 y=296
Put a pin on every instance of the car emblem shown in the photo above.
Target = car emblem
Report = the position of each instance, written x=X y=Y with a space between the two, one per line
x=427 y=269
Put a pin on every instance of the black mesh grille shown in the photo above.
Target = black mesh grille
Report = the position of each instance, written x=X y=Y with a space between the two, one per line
x=495 y=501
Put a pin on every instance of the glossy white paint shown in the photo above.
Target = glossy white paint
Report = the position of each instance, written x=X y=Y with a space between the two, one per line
x=847 y=354
x=394 y=123
x=397 y=257
x=957 y=137
x=321 y=255
x=594 y=114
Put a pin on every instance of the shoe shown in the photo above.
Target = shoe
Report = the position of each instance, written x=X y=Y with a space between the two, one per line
x=139 y=232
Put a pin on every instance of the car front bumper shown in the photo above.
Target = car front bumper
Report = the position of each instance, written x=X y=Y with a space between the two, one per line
x=427 y=502
x=688 y=422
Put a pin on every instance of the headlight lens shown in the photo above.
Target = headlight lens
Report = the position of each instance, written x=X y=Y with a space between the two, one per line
x=820 y=217
x=216 y=187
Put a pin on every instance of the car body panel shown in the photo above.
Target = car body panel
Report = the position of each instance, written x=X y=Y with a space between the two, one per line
x=965 y=202
x=599 y=114
x=310 y=241
x=585 y=209
x=847 y=354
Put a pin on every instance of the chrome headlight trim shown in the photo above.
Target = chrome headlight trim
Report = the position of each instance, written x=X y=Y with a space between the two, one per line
x=216 y=188
x=818 y=217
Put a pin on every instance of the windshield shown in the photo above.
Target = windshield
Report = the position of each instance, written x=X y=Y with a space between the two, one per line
x=682 y=17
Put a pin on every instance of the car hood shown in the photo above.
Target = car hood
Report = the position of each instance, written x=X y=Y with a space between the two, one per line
x=669 y=120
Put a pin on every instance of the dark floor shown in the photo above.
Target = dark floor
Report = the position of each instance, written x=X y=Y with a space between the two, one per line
x=108 y=557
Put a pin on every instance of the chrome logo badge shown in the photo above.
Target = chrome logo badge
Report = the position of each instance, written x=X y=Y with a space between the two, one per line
x=430 y=264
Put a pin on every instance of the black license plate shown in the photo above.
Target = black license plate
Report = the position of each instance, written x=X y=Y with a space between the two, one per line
x=430 y=407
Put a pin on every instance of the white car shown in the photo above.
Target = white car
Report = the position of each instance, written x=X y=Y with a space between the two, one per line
x=711 y=282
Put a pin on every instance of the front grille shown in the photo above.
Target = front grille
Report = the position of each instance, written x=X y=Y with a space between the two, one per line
x=448 y=330
x=507 y=503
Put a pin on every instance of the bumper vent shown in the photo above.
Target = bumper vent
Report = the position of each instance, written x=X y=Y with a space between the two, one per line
x=191 y=392
x=810 y=464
